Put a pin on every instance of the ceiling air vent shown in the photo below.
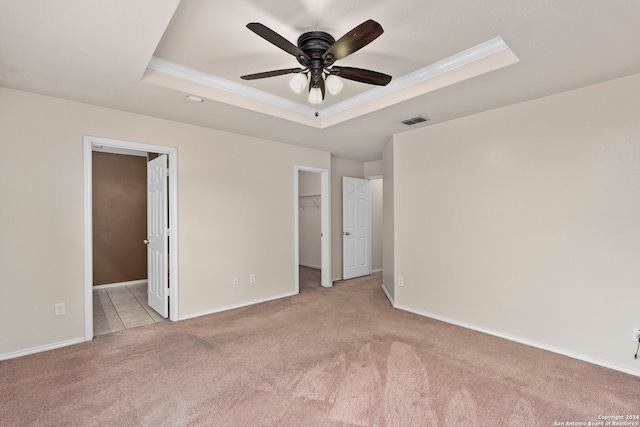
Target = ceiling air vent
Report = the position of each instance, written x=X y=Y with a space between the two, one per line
x=413 y=120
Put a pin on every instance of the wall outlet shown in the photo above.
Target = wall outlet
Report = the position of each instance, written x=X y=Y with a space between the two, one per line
x=400 y=281
x=61 y=309
x=236 y=281
x=252 y=278
x=636 y=334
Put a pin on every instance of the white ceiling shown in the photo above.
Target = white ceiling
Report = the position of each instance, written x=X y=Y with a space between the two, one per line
x=97 y=52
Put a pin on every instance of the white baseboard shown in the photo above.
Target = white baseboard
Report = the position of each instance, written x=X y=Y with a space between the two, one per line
x=376 y=270
x=521 y=340
x=233 y=306
x=304 y=264
x=336 y=279
x=393 y=304
x=119 y=284
x=41 y=348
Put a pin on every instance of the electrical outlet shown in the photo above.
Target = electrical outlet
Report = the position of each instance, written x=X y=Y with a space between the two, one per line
x=61 y=309
x=400 y=281
x=236 y=281
x=636 y=334
x=252 y=278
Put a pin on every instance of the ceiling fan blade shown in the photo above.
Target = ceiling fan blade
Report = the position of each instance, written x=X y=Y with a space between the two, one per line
x=277 y=40
x=363 y=76
x=273 y=73
x=354 y=40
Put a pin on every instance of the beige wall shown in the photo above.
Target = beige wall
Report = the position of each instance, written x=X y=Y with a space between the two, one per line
x=235 y=204
x=339 y=169
x=376 y=169
x=309 y=187
x=373 y=169
x=309 y=183
x=525 y=221
x=376 y=224
x=388 y=225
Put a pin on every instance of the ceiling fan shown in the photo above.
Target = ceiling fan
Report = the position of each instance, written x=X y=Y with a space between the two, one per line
x=316 y=52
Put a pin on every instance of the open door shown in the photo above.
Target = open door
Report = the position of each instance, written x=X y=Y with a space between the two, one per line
x=158 y=236
x=356 y=227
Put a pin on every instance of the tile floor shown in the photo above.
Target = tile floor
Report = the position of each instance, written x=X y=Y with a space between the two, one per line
x=124 y=307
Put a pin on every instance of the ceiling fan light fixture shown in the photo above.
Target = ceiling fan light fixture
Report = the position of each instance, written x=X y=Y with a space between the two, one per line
x=315 y=95
x=298 y=82
x=334 y=84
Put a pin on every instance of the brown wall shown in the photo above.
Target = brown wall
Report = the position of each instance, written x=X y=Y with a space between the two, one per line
x=119 y=218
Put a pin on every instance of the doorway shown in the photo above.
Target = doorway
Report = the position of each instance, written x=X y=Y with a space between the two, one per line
x=92 y=144
x=312 y=217
x=356 y=227
x=120 y=259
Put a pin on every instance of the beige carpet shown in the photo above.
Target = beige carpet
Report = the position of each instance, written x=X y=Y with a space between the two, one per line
x=327 y=357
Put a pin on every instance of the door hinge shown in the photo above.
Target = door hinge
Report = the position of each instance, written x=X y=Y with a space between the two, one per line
x=168 y=231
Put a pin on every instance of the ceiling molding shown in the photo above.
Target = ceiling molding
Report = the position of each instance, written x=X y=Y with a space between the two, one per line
x=476 y=53
x=485 y=57
x=177 y=70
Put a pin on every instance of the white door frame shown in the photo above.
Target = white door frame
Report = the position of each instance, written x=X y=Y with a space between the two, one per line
x=91 y=142
x=325 y=230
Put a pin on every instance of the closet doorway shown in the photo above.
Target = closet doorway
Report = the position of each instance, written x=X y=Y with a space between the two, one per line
x=312 y=228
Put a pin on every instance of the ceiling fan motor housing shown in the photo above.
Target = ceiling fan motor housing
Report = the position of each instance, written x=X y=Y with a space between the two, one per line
x=314 y=44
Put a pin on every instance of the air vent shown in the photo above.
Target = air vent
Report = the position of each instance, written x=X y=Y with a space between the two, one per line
x=413 y=120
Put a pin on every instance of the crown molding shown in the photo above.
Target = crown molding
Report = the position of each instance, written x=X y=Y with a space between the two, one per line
x=476 y=53
x=484 y=57
x=180 y=71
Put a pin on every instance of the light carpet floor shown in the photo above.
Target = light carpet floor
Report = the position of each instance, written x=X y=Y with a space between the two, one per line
x=327 y=357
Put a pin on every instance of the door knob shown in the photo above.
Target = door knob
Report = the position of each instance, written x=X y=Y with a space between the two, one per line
x=346 y=233
x=146 y=242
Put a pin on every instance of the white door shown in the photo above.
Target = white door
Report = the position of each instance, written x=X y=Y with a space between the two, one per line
x=356 y=227
x=157 y=236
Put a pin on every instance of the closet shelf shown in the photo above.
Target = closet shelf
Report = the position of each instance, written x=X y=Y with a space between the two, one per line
x=310 y=201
